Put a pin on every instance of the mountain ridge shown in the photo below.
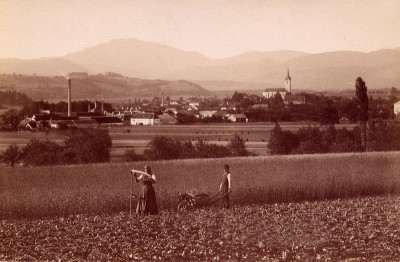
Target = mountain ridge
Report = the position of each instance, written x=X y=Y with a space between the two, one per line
x=143 y=59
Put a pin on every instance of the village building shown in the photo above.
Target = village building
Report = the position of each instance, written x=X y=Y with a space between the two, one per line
x=260 y=106
x=172 y=110
x=145 y=119
x=207 y=113
x=167 y=119
x=28 y=124
x=288 y=82
x=294 y=99
x=396 y=108
x=124 y=115
x=109 y=121
x=271 y=92
x=237 y=118
x=194 y=102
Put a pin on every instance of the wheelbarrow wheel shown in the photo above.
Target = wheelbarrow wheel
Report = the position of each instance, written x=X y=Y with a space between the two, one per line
x=184 y=207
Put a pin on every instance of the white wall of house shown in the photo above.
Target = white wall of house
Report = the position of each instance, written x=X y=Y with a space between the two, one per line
x=396 y=108
x=145 y=121
x=236 y=118
x=270 y=94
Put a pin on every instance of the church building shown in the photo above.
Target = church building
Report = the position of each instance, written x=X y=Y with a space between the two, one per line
x=271 y=92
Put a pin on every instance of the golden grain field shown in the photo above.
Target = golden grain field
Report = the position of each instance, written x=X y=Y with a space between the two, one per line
x=32 y=192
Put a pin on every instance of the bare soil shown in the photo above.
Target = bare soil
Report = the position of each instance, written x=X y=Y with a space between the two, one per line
x=358 y=229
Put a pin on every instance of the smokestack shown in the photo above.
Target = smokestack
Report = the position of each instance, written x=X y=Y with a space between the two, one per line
x=162 y=97
x=69 y=97
x=102 y=104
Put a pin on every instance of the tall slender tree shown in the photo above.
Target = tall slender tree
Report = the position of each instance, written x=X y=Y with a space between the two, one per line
x=362 y=105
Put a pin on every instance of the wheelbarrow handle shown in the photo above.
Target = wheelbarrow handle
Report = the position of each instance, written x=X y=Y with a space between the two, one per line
x=219 y=198
x=215 y=195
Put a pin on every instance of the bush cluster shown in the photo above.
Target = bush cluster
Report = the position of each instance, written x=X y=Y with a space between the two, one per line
x=164 y=148
x=381 y=136
x=81 y=146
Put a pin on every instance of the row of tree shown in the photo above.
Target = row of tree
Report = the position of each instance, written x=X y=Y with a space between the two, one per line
x=164 y=148
x=83 y=146
x=80 y=147
x=375 y=135
x=380 y=136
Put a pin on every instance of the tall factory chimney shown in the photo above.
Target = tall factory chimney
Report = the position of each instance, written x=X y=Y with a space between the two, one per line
x=102 y=104
x=69 y=97
x=162 y=97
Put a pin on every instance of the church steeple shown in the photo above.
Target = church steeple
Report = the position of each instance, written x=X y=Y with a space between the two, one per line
x=288 y=82
x=288 y=75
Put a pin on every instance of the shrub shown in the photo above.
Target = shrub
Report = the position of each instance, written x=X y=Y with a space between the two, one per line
x=131 y=156
x=12 y=155
x=205 y=150
x=163 y=148
x=88 y=146
x=383 y=136
x=282 y=142
x=311 y=141
x=42 y=152
x=345 y=141
x=237 y=146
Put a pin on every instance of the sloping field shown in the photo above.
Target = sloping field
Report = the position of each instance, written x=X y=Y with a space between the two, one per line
x=35 y=192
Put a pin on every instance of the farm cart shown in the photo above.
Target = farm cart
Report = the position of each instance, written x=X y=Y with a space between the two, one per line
x=189 y=201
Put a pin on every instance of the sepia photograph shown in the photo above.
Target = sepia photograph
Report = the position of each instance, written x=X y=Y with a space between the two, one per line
x=187 y=130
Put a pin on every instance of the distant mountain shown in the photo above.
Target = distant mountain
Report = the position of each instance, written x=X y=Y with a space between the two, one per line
x=256 y=56
x=137 y=58
x=141 y=59
x=43 y=66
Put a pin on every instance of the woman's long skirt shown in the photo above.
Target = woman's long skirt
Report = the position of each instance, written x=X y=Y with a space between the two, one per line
x=147 y=204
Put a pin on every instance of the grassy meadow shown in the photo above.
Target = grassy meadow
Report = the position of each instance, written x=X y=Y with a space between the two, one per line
x=34 y=192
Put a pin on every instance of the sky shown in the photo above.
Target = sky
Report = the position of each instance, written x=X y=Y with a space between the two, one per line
x=216 y=28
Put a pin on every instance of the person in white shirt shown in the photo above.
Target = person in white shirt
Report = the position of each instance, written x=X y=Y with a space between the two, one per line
x=225 y=186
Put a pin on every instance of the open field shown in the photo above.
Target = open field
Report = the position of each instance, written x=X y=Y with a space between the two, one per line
x=256 y=135
x=34 y=192
x=357 y=229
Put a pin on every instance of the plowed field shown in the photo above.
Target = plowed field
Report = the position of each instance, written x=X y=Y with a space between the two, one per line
x=366 y=229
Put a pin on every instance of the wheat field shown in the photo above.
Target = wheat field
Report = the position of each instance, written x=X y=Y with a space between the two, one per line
x=34 y=192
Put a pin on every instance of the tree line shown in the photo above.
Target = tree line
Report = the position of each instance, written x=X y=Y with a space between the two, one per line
x=378 y=134
x=81 y=146
x=165 y=148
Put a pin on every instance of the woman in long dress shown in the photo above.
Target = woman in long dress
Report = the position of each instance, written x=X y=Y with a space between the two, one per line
x=147 y=204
